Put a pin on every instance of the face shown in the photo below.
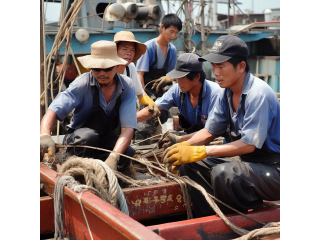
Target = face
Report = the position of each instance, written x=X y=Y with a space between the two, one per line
x=170 y=33
x=127 y=51
x=185 y=84
x=226 y=75
x=105 y=76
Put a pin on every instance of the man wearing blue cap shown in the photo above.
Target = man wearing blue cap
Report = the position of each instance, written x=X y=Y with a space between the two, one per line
x=193 y=95
x=249 y=111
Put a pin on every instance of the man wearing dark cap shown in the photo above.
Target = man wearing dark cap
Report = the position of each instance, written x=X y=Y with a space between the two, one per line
x=248 y=111
x=193 y=95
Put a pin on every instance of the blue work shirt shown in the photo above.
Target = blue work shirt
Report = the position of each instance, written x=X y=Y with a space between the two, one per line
x=79 y=96
x=148 y=58
x=261 y=123
x=172 y=98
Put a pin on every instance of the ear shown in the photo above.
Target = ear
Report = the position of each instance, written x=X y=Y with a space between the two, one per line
x=242 y=66
x=197 y=78
x=162 y=27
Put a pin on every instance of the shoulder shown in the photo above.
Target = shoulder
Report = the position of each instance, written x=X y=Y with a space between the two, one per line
x=213 y=87
x=126 y=81
x=82 y=81
x=150 y=43
x=132 y=67
x=260 y=88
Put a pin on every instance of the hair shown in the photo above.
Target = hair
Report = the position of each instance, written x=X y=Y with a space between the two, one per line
x=118 y=43
x=236 y=61
x=172 y=20
x=192 y=75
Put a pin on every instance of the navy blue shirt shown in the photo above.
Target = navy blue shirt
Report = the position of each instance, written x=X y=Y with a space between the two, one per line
x=79 y=96
x=261 y=123
x=172 y=98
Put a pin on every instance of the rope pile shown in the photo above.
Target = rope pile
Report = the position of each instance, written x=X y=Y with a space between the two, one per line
x=270 y=228
x=93 y=173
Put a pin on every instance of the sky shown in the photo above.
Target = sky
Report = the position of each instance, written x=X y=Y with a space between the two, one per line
x=258 y=6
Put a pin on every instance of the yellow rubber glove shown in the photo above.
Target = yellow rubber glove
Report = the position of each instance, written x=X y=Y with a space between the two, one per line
x=185 y=143
x=185 y=154
x=161 y=83
x=153 y=108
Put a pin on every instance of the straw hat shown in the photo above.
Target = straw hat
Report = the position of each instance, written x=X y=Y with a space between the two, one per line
x=127 y=36
x=103 y=55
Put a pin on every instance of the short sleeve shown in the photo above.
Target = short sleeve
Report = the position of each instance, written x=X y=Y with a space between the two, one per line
x=256 y=121
x=143 y=62
x=135 y=79
x=173 y=58
x=127 y=111
x=168 y=100
x=66 y=101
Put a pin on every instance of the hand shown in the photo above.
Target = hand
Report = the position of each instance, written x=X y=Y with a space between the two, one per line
x=112 y=160
x=169 y=141
x=47 y=146
x=161 y=83
x=185 y=154
x=153 y=108
x=185 y=143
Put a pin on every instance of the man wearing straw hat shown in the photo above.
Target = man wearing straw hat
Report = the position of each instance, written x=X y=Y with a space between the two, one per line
x=99 y=98
x=131 y=50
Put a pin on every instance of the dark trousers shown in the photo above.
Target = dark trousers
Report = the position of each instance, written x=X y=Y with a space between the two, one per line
x=90 y=137
x=241 y=185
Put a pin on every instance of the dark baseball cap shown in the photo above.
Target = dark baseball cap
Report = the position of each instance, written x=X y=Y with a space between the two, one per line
x=186 y=63
x=226 y=47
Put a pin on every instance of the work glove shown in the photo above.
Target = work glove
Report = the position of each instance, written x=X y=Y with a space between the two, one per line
x=185 y=154
x=112 y=160
x=153 y=108
x=161 y=83
x=47 y=146
x=169 y=140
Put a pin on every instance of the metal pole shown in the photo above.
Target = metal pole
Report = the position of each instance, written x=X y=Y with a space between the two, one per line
x=186 y=13
x=203 y=46
x=228 y=22
x=214 y=14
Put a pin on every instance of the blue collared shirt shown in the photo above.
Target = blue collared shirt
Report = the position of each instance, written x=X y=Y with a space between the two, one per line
x=79 y=96
x=261 y=123
x=148 y=58
x=172 y=98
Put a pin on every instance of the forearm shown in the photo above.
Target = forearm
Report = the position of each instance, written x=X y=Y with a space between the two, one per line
x=47 y=122
x=202 y=137
x=231 y=149
x=123 y=140
x=142 y=95
x=187 y=136
x=143 y=115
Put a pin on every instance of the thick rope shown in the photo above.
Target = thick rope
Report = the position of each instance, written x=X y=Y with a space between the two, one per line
x=270 y=228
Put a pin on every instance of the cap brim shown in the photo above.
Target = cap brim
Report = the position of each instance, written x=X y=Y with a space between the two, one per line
x=176 y=74
x=214 y=58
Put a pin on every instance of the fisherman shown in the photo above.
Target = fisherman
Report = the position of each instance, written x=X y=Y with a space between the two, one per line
x=99 y=98
x=249 y=110
x=130 y=49
x=160 y=58
x=194 y=110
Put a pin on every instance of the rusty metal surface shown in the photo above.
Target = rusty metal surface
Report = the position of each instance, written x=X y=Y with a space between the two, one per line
x=105 y=221
x=154 y=201
x=213 y=227
x=46 y=215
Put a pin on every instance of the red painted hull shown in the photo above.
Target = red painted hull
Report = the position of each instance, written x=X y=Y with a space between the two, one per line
x=107 y=222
